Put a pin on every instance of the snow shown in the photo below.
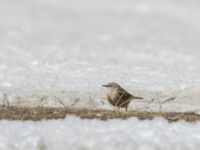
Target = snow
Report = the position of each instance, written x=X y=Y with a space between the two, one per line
x=55 y=52
x=79 y=134
x=66 y=50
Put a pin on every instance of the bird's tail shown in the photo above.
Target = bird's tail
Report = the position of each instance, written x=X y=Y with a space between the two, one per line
x=135 y=97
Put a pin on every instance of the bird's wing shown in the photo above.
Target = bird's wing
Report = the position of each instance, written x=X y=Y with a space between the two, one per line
x=125 y=95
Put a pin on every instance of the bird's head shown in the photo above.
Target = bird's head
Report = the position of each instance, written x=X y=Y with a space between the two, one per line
x=112 y=85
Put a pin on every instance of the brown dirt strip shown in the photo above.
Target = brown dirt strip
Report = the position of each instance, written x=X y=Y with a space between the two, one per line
x=41 y=113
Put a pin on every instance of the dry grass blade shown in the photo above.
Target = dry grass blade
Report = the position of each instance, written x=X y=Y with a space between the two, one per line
x=5 y=100
x=168 y=100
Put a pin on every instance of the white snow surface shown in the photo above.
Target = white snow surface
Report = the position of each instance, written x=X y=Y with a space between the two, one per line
x=64 y=50
x=78 y=134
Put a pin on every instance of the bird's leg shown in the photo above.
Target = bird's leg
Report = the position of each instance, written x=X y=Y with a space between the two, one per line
x=126 y=108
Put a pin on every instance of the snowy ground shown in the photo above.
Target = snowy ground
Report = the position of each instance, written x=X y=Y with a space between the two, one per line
x=76 y=134
x=65 y=50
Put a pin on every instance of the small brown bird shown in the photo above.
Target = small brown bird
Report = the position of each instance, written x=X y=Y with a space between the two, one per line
x=117 y=96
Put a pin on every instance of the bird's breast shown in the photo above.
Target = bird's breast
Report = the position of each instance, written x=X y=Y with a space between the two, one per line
x=112 y=95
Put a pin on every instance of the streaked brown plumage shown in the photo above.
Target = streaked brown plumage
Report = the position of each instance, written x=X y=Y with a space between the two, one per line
x=117 y=96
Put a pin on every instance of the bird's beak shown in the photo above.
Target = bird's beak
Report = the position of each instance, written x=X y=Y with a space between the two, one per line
x=105 y=85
